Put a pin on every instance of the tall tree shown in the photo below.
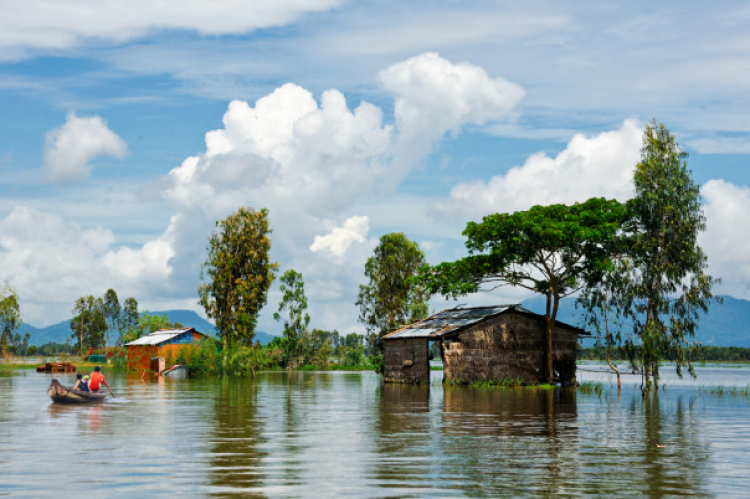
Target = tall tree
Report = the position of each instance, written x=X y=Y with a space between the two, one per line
x=237 y=274
x=549 y=250
x=392 y=298
x=668 y=285
x=294 y=302
x=111 y=311
x=89 y=323
x=129 y=319
x=10 y=317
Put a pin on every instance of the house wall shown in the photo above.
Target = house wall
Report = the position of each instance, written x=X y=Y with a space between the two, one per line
x=139 y=356
x=510 y=346
x=406 y=361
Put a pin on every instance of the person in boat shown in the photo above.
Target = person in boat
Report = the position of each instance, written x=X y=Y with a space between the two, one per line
x=82 y=384
x=97 y=379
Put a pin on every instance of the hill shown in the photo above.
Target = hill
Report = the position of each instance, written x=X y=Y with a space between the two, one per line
x=60 y=332
x=725 y=325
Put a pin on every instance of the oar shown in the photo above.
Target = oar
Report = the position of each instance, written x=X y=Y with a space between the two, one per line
x=110 y=391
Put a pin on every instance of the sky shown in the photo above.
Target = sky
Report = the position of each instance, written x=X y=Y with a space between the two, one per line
x=127 y=129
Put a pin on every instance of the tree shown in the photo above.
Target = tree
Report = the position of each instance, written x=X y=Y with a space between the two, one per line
x=89 y=323
x=294 y=302
x=10 y=317
x=239 y=272
x=111 y=311
x=667 y=286
x=391 y=298
x=129 y=319
x=549 y=250
x=147 y=324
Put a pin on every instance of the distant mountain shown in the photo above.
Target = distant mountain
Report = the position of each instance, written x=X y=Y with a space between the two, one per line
x=725 y=325
x=60 y=333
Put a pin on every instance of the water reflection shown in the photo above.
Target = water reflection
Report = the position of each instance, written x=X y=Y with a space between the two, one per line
x=333 y=434
x=236 y=439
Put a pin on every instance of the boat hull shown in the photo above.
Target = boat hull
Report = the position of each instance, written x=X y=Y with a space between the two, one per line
x=63 y=395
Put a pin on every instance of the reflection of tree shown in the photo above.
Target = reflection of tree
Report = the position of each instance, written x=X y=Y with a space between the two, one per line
x=508 y=441
x=236 y=460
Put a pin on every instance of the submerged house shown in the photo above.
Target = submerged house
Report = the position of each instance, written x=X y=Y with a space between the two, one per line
x=160 y=344
x=481 y=344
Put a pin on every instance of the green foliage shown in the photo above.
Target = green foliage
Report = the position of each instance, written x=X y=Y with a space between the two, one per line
x=111 y=309
x=551 y=250
x=589 y=387
x=129 y=319
x=294 y=302
x=147 y=324
x=658 y=285
x=237 y=274
x=89 y=323
x=391 y=298
x=10 y=319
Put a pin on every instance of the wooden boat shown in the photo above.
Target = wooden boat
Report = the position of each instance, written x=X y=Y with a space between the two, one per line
x=64 y=395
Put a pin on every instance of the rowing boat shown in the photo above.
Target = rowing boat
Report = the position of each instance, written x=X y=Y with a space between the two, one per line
x=64 y=395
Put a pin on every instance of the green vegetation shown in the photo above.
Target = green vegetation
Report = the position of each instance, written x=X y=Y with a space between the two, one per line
x=391 y=299
x=549 y=250
x=588 y=387
x=294 y=302
x=11 y=341
x=700 y=354
x=237 y=274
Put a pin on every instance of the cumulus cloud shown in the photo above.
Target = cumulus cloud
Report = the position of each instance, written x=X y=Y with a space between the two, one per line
x=354 y=230
x=69 y=148
x=726 y=240
x=589 y=166
x=435 y=96
x=51 y=262
x=43 y=24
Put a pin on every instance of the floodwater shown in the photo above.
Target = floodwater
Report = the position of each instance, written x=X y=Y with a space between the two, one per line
x=346 y=434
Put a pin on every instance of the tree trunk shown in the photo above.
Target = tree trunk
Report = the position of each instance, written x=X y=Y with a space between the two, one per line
x=552 y=304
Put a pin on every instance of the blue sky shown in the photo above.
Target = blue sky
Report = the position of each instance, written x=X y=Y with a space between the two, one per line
x=127 y=129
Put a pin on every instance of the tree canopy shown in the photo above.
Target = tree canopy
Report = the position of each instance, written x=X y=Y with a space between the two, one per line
x=294 y=302
x=551 y=250
x=391 y=298
x=237 y=274
x=660 y=284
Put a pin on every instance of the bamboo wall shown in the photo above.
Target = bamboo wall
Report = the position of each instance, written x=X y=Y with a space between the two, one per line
x=406 y=361
x=510 y=346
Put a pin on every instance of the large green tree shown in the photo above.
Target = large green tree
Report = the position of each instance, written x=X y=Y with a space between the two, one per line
x=89 y=323
x=10 y=320
x=391 y=298
x=294 y=303
x=129 y=319
x=667 y=286
x=237 y=274
x=112 y=310
x=550 y=250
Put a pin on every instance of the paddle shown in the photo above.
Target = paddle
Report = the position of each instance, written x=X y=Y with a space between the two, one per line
x=110 y=390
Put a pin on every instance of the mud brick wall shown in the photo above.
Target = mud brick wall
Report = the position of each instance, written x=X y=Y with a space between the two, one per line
x=405 y=361
x=510 y=346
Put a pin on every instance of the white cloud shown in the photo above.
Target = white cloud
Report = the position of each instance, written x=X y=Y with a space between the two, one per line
x=51 y=262
x=726 y=240
x=589 y=166
x=43 y=24
x=435 y=96
x=70 y=148
x=354 y=230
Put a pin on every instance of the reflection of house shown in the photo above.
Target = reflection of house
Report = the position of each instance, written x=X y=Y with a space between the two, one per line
x=160 y=344
x=482 y=343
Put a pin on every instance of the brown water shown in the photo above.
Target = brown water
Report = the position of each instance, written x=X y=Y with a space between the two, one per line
x=345 y=434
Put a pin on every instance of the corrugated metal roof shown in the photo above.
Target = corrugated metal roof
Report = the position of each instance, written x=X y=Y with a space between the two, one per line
x=449 y=321
x=159 y=337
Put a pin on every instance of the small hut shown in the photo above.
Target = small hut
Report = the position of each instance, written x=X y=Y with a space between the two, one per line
x=481 y=344
x=160 y=344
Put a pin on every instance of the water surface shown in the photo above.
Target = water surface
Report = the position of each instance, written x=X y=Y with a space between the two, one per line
x=347 y=434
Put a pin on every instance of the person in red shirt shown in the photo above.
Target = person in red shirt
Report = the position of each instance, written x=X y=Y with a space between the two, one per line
x=97 y=378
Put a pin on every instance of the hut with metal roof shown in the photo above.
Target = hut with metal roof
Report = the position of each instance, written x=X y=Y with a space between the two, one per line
x=481 y=344
x=160 y=344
